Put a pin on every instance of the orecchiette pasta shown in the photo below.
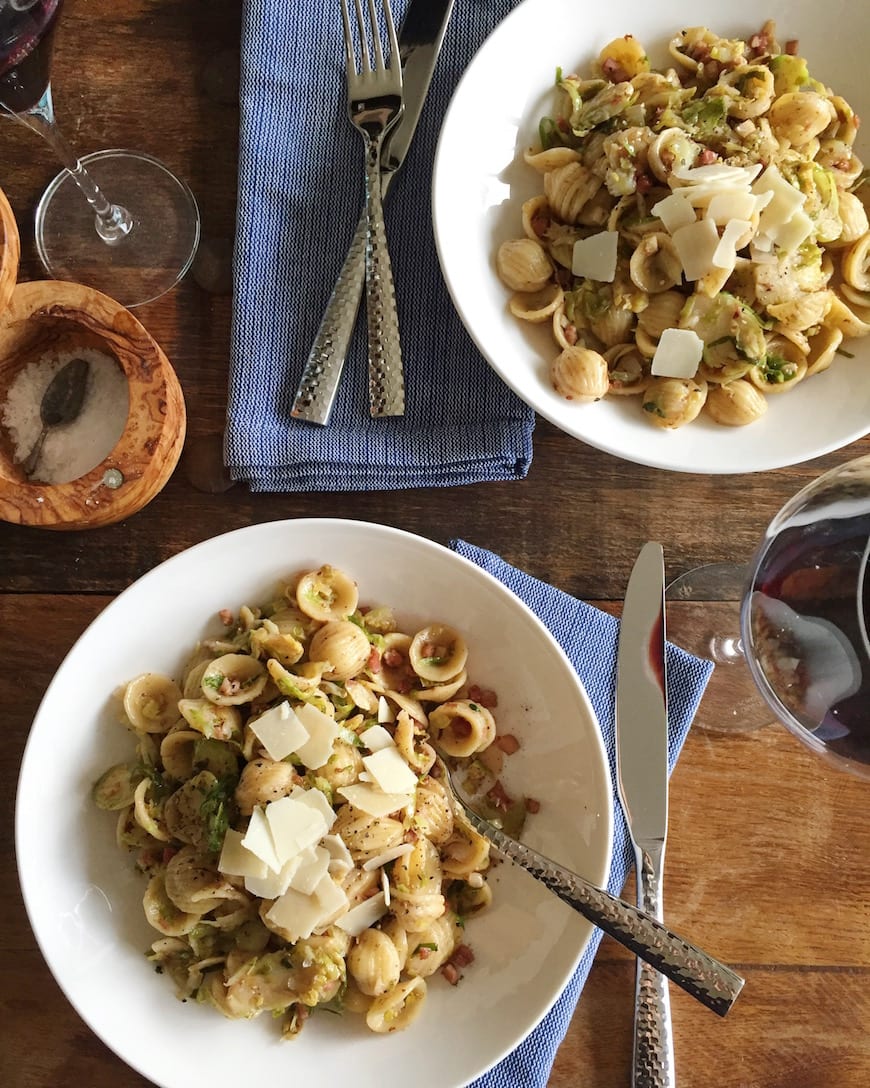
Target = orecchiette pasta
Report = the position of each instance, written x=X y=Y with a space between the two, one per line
x=286 y=807
x=727 y=183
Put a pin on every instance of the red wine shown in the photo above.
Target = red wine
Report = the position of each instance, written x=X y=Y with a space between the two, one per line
x=26 y=40
x=808 y=620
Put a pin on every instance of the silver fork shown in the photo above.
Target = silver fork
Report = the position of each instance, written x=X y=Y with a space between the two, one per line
x=374 y=106
x=706 y=979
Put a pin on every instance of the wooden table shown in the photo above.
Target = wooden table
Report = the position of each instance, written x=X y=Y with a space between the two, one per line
x=767 y=860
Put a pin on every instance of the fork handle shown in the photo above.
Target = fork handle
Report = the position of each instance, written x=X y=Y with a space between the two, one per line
x=386 y=377
x=706 y=979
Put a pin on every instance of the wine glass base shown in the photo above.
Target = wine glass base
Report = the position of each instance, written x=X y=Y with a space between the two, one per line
x=150 y=259
x=704 y=618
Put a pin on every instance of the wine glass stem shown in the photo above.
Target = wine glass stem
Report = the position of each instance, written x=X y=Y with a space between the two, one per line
x=111 y=221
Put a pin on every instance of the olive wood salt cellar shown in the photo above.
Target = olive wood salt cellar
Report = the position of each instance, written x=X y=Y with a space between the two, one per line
x=47 y=317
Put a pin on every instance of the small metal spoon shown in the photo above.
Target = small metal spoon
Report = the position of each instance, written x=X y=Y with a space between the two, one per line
x=61 y=403
x=706 y=979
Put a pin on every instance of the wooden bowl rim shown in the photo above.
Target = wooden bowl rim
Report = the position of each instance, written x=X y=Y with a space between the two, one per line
x=10 y=251
x=29 y=301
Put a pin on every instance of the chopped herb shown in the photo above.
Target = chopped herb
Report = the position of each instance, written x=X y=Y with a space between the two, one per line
x=776 y=370
x=217 y=809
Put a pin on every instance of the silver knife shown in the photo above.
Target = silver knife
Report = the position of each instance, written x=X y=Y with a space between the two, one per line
x=420 y=37
x=642 y=784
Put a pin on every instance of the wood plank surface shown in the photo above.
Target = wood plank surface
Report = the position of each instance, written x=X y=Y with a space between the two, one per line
x=767 y=856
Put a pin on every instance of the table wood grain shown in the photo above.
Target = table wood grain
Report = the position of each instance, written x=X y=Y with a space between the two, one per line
x=767 y=856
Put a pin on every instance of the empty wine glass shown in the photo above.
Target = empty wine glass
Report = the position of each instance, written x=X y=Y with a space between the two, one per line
x=797 y=650
x=135 y=250
x=704 y=618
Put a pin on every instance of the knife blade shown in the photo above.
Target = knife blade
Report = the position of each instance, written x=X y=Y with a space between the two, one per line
x=420 y=37
x=642 y=785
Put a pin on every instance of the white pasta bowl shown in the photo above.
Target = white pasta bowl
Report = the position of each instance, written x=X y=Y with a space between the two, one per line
x=84 y=899
x=480 y=183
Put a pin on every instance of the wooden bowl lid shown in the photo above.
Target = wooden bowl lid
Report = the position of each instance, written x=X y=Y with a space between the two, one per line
x=10 y=251
x=50 y=316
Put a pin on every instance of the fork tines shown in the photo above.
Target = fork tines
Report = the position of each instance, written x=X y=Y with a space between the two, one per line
x=374 y=106
x=365 y=54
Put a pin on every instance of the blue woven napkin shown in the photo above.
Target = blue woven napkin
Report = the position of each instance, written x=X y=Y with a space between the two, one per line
x=300 y=193
x=589 y=638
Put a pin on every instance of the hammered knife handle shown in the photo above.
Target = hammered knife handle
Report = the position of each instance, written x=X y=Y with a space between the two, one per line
x=707 y=980
x=320 y=377
x=386 y=377
x=653 y=1056
x=318 y=385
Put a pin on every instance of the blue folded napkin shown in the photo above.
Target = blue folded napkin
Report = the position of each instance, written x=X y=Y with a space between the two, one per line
x=301 y=190
x=589 y=638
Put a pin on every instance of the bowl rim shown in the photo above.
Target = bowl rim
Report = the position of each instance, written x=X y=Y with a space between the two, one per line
x=156 y=419
x=10 y=251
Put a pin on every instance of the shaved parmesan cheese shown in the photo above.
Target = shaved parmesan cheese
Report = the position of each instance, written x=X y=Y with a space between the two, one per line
x=390 y=771
x=731 y=204
x=280 y=731
x=594 y=258
x=793 y=232
x=678 y=353
x=272 y=884
x=313 y=866
x=762 y=254
x=322 y=732
x=340 y=861
x=332 y=899
x=258 y=839
x=299 y=914
x=294 y=826
x=388 y=855
x=695 y=245
x=718 y=172
x=376 y=737
x=363 y=915
x=295 y=913
x=725 y=255
x=237 y=860
x=385 y=884
x=373 y=801
x=674 y=211
x=385 y=711
x=700 y=196
x=317 y=800
x=786 y=200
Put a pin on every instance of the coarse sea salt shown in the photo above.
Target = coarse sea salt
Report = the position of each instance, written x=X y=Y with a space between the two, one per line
x=70 y=449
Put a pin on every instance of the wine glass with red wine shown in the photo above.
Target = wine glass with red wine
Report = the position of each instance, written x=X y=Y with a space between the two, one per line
x=806 y=613
x=134 y=250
